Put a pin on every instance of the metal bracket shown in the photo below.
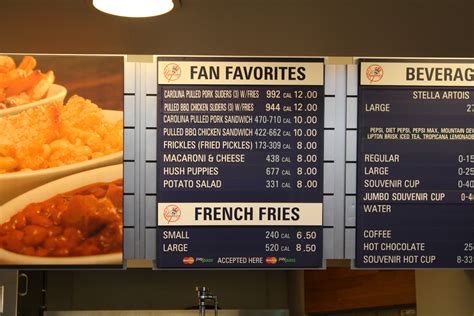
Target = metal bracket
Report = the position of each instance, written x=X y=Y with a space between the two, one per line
x=1 y=298
x=140 y=59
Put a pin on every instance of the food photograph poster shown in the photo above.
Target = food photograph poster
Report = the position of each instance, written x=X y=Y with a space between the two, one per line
x=61 y=160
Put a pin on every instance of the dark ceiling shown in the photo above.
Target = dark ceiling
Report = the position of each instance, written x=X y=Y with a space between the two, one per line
x=250 y=27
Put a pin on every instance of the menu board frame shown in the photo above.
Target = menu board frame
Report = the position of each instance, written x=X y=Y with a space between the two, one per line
x=244 y=59
x=360 y=86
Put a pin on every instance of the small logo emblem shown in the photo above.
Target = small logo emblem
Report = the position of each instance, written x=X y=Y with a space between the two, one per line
x=172 y=213
x=188 y=260
x=172 y=72
x=374 y=73
x=204 y=260
x=271 y=260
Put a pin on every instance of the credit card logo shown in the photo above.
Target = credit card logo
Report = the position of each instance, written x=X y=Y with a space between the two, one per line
x=188 y=260
x=286 y=260
x=204 y=260
x=271 y=260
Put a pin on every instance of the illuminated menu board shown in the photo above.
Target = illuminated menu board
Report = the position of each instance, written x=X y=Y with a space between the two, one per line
x=415 y=171
x=240 y=162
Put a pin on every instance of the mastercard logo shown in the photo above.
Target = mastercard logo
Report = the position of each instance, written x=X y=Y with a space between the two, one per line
x=271 y=260
x=188 y=260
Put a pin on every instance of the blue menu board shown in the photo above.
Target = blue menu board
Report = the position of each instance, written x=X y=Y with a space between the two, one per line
x=415 y=170
x=240 y=162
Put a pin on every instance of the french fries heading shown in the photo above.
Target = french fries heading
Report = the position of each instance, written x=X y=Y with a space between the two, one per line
x=23 y=84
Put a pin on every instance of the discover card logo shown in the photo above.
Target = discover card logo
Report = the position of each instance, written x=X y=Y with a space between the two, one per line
x=204 y=260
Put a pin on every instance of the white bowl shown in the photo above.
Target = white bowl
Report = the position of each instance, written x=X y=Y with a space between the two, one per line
x=55 y=93
x=42 y=193
x=16 y=183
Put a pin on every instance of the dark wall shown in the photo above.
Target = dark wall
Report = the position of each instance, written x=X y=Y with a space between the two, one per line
x=253 y=27
x=144 y=289
x=343 y=289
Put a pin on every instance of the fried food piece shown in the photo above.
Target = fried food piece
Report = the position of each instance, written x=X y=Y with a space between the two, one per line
x=6 y=64
x=8 y=77
x=17 y=100
x=40 y=90
x=22 y=85
x=28 y=64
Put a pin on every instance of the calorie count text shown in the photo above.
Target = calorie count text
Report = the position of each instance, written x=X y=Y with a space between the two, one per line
x=468 y=256
x=406 y=252
x=212 y=130
x=303 y=241
x=465 y=170
x=272 y=248
x=300 y=144
x=181 y=241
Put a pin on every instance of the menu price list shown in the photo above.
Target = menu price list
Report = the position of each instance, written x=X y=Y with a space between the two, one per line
x=236 y=144
x=264 y=143
x=240 y=155
x=415 y=192
x=240 y=247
